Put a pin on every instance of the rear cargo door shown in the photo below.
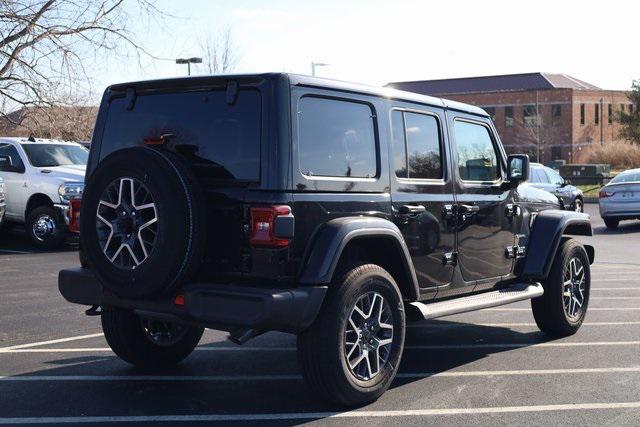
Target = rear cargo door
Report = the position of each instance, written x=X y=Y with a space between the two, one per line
x=218 y=131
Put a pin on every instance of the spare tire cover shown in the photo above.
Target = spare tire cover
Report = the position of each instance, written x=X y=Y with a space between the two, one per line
x=142 y=222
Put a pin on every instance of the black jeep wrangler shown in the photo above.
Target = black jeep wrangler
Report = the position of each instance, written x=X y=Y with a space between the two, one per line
x=334 y=211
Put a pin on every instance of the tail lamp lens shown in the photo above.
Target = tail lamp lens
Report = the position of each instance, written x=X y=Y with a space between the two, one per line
x=604 y=194
x=74 y=215
x=263 y=226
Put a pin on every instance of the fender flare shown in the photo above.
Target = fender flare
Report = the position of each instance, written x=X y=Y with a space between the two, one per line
x=330 y=241
x=548 y=231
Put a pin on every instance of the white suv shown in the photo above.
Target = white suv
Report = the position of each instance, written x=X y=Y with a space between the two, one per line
x=42 y=177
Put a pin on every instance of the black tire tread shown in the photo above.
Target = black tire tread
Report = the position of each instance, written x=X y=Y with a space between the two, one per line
x=548 y=309
x=124 y=334
x=322 y=378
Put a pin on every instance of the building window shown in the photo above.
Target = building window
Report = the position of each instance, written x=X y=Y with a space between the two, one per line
x=622 y=107
x=491 y=111
x=597 y=115
x=556 y=153
x=336 y=138
x=508 y=117
x=556 y=113
x=582 y=114
x=610 y=113
x=630 y=108
x=530 y=115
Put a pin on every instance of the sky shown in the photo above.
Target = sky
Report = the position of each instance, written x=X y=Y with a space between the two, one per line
x=377 y=42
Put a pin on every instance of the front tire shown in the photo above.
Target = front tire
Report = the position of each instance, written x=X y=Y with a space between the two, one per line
x=578 y=205
x=45 y=228
x=611 y=223
x=351 y=353
x=147 y=343
x=560 y=311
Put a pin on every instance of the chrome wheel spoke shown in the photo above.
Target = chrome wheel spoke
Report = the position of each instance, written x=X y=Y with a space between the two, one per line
x=368 y=336
x=573 y=288
x=126 y=222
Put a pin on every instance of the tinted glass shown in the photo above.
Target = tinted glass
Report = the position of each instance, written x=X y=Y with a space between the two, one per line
x=626 y=177
x=399 y=147
x=423 y=146
x=554 y=176
x=49 y=155
x=12 y=152
x=477 y=159
x=538 y=176
x=220 y=140
x=336 y=138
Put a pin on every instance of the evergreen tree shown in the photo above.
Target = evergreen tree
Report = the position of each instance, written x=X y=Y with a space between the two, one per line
x=630 y=120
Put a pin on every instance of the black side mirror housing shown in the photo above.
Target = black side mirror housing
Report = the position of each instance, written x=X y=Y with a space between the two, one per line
x=517 y=168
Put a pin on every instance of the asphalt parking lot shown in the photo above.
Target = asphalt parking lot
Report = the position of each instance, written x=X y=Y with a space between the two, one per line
x=486 y=367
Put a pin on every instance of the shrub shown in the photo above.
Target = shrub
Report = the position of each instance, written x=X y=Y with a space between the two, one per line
x=619 y=154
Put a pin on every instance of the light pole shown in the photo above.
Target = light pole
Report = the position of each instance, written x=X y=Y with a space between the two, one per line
x=189 y=61
x=317 y=64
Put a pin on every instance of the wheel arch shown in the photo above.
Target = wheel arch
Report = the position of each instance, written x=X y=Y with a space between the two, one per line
x=550 y=229
x=36 y=200
x=343 y=241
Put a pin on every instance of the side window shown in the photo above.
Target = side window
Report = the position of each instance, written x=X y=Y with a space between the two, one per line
x=538 y=176
x=12 y=152
x=554 y=177
x=416 y=146
x=477 y=158
x=336 y=138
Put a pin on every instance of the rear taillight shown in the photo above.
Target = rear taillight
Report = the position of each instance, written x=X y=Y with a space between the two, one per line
x=74 y=215
x=604 y=194
x=263 y=226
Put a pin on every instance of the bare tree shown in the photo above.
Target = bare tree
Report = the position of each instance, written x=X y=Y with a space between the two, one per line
x=45 y=43
x=539 y=130
x=220 y=52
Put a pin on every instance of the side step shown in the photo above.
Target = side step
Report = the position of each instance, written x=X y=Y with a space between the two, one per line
x=516 y=292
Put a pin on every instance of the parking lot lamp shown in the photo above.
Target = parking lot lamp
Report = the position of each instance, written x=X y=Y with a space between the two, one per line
x=189 y=61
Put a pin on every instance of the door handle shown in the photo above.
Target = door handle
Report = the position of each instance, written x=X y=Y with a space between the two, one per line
x=411 y=209
x=469 y=209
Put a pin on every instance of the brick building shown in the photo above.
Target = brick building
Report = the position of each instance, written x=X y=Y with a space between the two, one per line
x=553 y=115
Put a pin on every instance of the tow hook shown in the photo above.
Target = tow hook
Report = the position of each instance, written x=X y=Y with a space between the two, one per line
x=93 y=311
x=241 y=336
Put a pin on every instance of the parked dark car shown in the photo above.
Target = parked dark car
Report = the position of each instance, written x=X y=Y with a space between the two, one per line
x=547 y=179
x=334 y=211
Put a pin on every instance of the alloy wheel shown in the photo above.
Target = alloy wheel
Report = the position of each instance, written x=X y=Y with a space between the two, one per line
x=578 y=206
x=163 y=333
x=368 y=336
x=127 y=223
x=43 y=227
x=573 y=289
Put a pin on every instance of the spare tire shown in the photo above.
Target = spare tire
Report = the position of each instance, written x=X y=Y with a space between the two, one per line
x=142 y=227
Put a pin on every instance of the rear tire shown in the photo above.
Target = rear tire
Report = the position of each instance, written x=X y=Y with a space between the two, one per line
x=146 y=343
x=45 y=228
x=560 y=311
x=611 y=223
x=340 y=336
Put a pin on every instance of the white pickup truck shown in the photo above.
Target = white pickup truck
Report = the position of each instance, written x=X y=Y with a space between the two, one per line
x=42 y=178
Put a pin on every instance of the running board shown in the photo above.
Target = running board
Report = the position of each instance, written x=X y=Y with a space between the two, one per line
x=514 y=293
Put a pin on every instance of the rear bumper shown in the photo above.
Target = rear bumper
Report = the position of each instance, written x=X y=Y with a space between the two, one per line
x=218 y=306
x=611 y=209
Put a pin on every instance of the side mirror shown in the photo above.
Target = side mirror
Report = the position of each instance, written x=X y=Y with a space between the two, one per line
x=518 y=168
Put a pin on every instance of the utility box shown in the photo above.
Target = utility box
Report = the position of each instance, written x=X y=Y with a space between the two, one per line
x=586 y=173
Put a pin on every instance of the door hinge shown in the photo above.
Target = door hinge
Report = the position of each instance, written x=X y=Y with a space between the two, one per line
x=512 y=210
x=450 y=258
x=515 y=251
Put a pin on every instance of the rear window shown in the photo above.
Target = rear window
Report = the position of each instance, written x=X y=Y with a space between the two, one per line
x=336 y=138
x=626 y=177
x=220 y=140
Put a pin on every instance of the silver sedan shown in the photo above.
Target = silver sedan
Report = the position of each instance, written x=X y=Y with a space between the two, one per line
x=620 y=198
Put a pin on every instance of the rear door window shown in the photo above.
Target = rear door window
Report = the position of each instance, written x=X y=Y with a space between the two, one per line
x=416 y=146
x=336 y=138
x=221 y=140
